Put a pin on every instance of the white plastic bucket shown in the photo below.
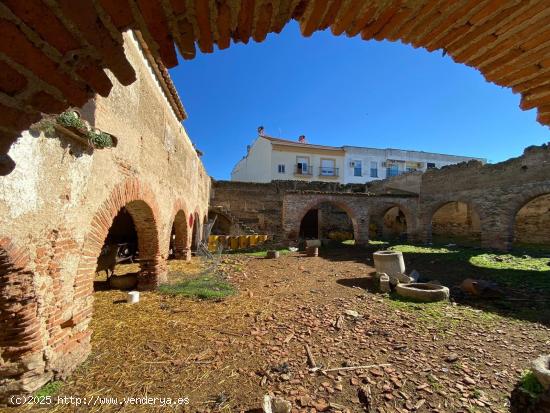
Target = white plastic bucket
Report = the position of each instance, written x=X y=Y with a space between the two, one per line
x=133 y=297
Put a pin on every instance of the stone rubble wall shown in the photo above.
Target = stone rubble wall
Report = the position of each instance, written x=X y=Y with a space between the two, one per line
x=492 y=195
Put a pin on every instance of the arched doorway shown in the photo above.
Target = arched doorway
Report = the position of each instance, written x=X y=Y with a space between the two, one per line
x=394 y=224
x=456 y=222
x=222 y=224
x=326 y=221
x=132 y=236
x=123 y=236
x=532 y=224
x=178 y=237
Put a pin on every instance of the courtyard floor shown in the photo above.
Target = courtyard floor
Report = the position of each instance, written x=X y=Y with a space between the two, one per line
x=225 y=355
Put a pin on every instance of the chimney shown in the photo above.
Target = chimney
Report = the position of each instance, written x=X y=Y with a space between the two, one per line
x=302 y=139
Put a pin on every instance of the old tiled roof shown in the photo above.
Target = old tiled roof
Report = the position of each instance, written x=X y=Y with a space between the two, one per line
x=300 y=144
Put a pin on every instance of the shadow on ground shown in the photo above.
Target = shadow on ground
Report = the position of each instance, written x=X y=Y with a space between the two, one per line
x=523 y=276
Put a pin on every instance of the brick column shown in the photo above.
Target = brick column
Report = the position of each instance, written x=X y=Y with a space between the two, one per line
x=153 y=272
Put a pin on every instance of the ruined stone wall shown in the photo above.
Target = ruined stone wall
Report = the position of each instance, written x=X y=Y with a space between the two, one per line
x=259 y=205
x=406 y=183
x=488 y=199
x=56 y=208
x=496 y=192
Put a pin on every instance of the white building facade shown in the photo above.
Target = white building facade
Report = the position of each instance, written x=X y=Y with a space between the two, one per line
x=369 y=164
x=269 y=159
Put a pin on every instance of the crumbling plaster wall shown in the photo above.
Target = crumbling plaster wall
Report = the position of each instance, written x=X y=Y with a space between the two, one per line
x=58 y=203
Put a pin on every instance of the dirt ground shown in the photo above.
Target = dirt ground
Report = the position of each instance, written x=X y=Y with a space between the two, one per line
x=226 y=355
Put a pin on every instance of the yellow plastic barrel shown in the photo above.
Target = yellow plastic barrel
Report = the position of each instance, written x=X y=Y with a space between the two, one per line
x=253 y=240
x=243 y=241
x=234 y=243
x=262 y=239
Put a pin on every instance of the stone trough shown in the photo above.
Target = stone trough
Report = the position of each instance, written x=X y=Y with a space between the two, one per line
x=425 y=292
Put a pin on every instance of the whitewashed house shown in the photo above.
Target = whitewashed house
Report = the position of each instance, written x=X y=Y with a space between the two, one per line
x=270 y=159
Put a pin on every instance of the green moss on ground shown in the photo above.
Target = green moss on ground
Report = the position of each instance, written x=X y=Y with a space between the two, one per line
x=206 y=287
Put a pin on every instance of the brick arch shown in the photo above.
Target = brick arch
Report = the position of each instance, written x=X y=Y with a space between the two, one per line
x=295 y=207
x=182 y=234
x=20 y=335
x=141 y=204
x=527 y=195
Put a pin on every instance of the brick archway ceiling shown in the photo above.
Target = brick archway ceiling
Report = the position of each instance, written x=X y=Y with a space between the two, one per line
x=53 y=52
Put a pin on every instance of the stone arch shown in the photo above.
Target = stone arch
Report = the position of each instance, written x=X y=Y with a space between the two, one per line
x=21 y=350
x=531 y=219
x=140 y=202
x=378 y=217
x=342 y=205
x=456 y=220
x=296 y=205
x=179 y=226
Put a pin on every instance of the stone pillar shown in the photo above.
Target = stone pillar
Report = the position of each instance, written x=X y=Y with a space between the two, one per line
x=495 y=239
x=362 y=231
x=421 y=235
x=497 y=230
x=379 y=222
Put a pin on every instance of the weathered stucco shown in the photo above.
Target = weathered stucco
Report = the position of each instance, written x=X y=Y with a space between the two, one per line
x=56 y=208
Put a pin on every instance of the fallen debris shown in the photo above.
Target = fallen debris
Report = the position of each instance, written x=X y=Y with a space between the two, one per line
x=481 y=288
x=276 y=405
x=310 y=359
x=370 y=366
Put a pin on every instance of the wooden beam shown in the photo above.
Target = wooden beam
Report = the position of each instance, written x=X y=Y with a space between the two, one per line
x=202 y=11
x=157 y=26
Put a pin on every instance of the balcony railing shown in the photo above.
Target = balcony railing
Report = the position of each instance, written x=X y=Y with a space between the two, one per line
x=300 y=170
x=328 y=171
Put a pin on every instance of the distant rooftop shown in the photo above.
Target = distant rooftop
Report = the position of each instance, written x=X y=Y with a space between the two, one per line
x=343 y=147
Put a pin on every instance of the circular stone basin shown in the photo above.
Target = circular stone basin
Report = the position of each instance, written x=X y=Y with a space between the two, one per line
x=423 y=292
x=541 y=370
x=389 y=262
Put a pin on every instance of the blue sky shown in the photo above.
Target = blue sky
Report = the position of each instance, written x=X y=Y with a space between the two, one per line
x=341 y=91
